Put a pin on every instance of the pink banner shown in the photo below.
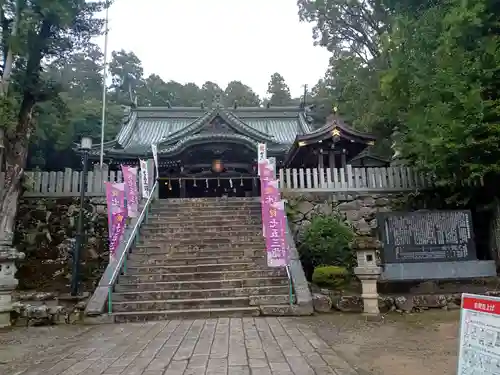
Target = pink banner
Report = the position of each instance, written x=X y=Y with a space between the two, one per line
x=117 y=229
x=273 y=218
x=115 y=199
x=131 y=190
x=266 y=173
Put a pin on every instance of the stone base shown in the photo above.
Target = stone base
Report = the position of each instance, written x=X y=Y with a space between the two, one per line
x=5 y=319
x=438 y=270
x=286 y=310
x=373 y=317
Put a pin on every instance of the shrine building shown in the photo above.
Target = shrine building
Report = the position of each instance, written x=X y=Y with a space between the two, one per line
x=207 y=152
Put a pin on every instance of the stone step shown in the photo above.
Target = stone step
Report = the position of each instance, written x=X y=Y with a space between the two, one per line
x=195 y=238
x=165 y=245
x=135 y=260
x=202 y=226
x=213 y=218
x=199 y=293
x=191 y=268
x=201 y=284
x=217 y=208
x=181 y=304
x=234 y=312
x=215 y=231
x=200 y=303
x=206 y=201
x=255 y=251
x=196 y=276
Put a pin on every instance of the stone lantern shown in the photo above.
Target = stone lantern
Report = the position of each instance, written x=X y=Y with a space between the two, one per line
x=8 y=281
x=368 y=271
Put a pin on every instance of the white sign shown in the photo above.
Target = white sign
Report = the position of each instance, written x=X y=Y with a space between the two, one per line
x=272 y=163
x=479 y=350
x=144 y=178
x=261 y=154
x=154 y=149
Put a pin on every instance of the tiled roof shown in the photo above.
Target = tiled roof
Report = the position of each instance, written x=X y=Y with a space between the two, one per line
x=147 y=125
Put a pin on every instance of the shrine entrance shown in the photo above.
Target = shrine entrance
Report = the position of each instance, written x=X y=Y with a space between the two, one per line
x=209 y=187
x=212 y=168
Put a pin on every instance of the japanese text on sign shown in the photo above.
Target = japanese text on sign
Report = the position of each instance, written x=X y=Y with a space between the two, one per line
x=479 y=350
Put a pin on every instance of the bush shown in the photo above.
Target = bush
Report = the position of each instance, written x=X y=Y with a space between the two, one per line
x=326 y=242
x=330 y=276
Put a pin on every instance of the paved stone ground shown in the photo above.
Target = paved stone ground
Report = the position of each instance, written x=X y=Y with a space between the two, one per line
x=257 y=346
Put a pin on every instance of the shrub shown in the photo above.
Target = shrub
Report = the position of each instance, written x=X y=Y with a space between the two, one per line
x=330 y=276
x=326 y=242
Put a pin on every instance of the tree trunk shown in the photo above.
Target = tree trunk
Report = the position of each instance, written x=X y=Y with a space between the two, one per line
x=16 y=153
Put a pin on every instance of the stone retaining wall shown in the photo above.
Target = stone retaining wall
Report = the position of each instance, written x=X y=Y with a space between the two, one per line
x=356 y=208
x=45 y=232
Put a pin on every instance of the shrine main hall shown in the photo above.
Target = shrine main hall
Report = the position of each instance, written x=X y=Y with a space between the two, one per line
x=210 y=152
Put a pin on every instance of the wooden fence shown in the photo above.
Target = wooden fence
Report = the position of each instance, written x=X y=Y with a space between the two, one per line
x=67 y=183
x=351 y=179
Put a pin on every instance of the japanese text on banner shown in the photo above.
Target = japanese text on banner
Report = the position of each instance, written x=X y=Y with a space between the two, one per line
x=131 y=191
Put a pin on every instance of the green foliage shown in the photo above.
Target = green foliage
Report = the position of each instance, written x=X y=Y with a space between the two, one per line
x=428 y=69
x=333 y=277
x=326 y=242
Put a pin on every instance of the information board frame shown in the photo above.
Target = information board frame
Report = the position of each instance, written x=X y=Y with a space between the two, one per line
x=479 y=335
x=428 y=252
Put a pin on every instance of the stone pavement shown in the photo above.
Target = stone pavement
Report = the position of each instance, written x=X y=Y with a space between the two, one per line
x=232 y=346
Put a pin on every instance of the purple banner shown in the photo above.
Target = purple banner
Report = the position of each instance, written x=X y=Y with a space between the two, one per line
x=131 y=190
x=116 y=230
x=115 y=199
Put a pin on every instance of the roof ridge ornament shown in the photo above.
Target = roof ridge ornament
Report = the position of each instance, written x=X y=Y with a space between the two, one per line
x=217 y=101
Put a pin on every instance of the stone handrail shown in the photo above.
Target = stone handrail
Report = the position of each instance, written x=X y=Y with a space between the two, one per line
x=97 y=302
x=300 y=285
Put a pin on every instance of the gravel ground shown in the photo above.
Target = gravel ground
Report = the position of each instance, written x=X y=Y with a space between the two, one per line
x=410 y=344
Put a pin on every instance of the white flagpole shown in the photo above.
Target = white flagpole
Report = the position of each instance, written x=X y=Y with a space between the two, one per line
x=104 y=88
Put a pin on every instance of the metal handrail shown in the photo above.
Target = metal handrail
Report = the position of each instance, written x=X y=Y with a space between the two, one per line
x=128 y=245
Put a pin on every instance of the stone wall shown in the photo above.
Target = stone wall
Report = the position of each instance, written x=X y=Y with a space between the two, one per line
x=355 y=208
x=45 y=232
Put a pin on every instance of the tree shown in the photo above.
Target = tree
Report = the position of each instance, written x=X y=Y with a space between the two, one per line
x=49 y=30
x=127 y=76
x=243 y=95
x=278 y=91
x=444 y=84
x=354 y=26
x=211 y=93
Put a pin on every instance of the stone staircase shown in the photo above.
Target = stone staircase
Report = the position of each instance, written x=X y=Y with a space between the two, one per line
x=199 y=258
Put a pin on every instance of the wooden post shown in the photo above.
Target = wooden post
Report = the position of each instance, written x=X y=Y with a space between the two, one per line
x=152 y=177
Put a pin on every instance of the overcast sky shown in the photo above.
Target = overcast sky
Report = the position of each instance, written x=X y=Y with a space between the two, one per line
x=218 y=40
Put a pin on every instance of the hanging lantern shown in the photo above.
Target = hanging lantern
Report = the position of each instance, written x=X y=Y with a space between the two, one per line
x=194 y=182
x=217 y=166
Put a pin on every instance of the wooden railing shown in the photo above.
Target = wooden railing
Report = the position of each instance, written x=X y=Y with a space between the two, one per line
x=67 y=183
x=351 y=179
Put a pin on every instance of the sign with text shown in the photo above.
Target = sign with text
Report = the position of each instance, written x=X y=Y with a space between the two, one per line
x=427 y=236
x=479 y=348
x=261 y=154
